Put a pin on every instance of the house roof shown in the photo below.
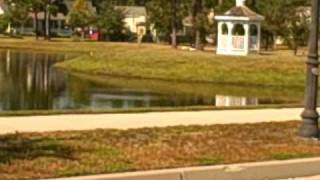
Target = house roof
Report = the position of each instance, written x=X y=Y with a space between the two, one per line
x=141 y=24
x=133 y=11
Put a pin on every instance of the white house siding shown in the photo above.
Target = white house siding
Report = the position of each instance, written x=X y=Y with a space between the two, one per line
x=132 y=22
x=1 y=8
x=135 y=17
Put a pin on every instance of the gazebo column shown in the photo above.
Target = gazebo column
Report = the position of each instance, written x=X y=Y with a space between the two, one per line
x=219 y=48
x=258 y=37
x=246 y=38
x=230 y=44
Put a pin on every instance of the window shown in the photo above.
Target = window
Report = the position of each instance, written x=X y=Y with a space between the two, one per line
x=238 y=30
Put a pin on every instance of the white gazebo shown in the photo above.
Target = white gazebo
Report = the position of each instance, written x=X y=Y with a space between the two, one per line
x=239 y=31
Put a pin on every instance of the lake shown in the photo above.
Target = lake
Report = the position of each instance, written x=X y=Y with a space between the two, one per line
x=29 y=81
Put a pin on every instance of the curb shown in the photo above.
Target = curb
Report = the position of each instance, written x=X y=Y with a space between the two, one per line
x=246 y=171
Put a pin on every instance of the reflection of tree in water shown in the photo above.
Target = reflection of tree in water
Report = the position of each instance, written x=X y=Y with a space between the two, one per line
x=28 y=81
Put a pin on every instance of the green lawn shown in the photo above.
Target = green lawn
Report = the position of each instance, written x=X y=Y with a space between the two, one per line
x=278 y=68
x=60 y=154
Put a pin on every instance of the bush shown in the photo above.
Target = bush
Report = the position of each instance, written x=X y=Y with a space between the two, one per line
x=76 y=36
x=147 y=38
x=180 y=38
x=184 y=38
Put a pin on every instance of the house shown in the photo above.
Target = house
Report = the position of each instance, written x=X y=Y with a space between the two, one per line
x=135 y=18
x=58 y=22
x=1 y=7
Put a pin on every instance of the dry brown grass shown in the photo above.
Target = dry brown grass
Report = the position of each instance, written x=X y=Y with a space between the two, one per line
x=36 y=155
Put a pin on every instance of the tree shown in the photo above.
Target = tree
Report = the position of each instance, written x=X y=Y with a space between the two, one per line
x=198 y=22
x=18 y=12
x=166 y=17
x=298 y=30
x=110 y=22
x=80 y=15
x=36 y=6
x=51 y=8
x=285 y=19
x=174 y=23
x=3 y=23
x=202 y=26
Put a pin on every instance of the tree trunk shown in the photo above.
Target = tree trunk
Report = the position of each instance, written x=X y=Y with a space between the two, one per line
x=36 y=25
x=49 y=26
x=99 y=34
x=47 y=22
x=267 y=42
x=22 y=29
x=295 y=47
x=197 y=10
x=198 y=44
x=296 y=50
x=174 y=24
x=82 y=33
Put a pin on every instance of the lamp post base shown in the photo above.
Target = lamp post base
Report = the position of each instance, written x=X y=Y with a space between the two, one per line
x=310 y=126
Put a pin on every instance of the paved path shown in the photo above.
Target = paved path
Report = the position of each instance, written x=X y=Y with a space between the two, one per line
x=141 y=120
x=309 y=178
x=305 y=169
x=305 y=178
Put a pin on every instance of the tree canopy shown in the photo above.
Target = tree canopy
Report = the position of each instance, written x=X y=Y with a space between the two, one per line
x=288 y=19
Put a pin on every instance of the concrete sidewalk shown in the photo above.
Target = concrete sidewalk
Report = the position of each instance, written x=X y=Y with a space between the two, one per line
x=143 y=120
x=305 y=178
x=285 y=170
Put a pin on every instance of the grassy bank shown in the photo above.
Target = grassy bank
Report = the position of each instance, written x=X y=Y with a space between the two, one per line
x=44 y=155
x=278 y=68
x=267 y=96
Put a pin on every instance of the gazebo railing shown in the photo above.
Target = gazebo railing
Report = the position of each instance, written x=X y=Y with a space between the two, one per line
x=238 y=42
x=223 y=41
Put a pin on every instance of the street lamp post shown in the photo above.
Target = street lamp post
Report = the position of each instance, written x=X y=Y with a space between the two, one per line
x=310 y=128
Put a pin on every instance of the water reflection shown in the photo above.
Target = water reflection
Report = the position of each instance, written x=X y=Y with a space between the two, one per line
x=28 y=81
x=229 y=101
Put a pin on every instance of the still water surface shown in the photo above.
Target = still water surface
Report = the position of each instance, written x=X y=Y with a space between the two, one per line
x=28 y=81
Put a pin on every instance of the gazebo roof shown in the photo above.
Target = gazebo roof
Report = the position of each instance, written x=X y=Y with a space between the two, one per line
x=240 y=12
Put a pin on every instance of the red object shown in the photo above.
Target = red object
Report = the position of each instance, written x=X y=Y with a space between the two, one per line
x=95 y=36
